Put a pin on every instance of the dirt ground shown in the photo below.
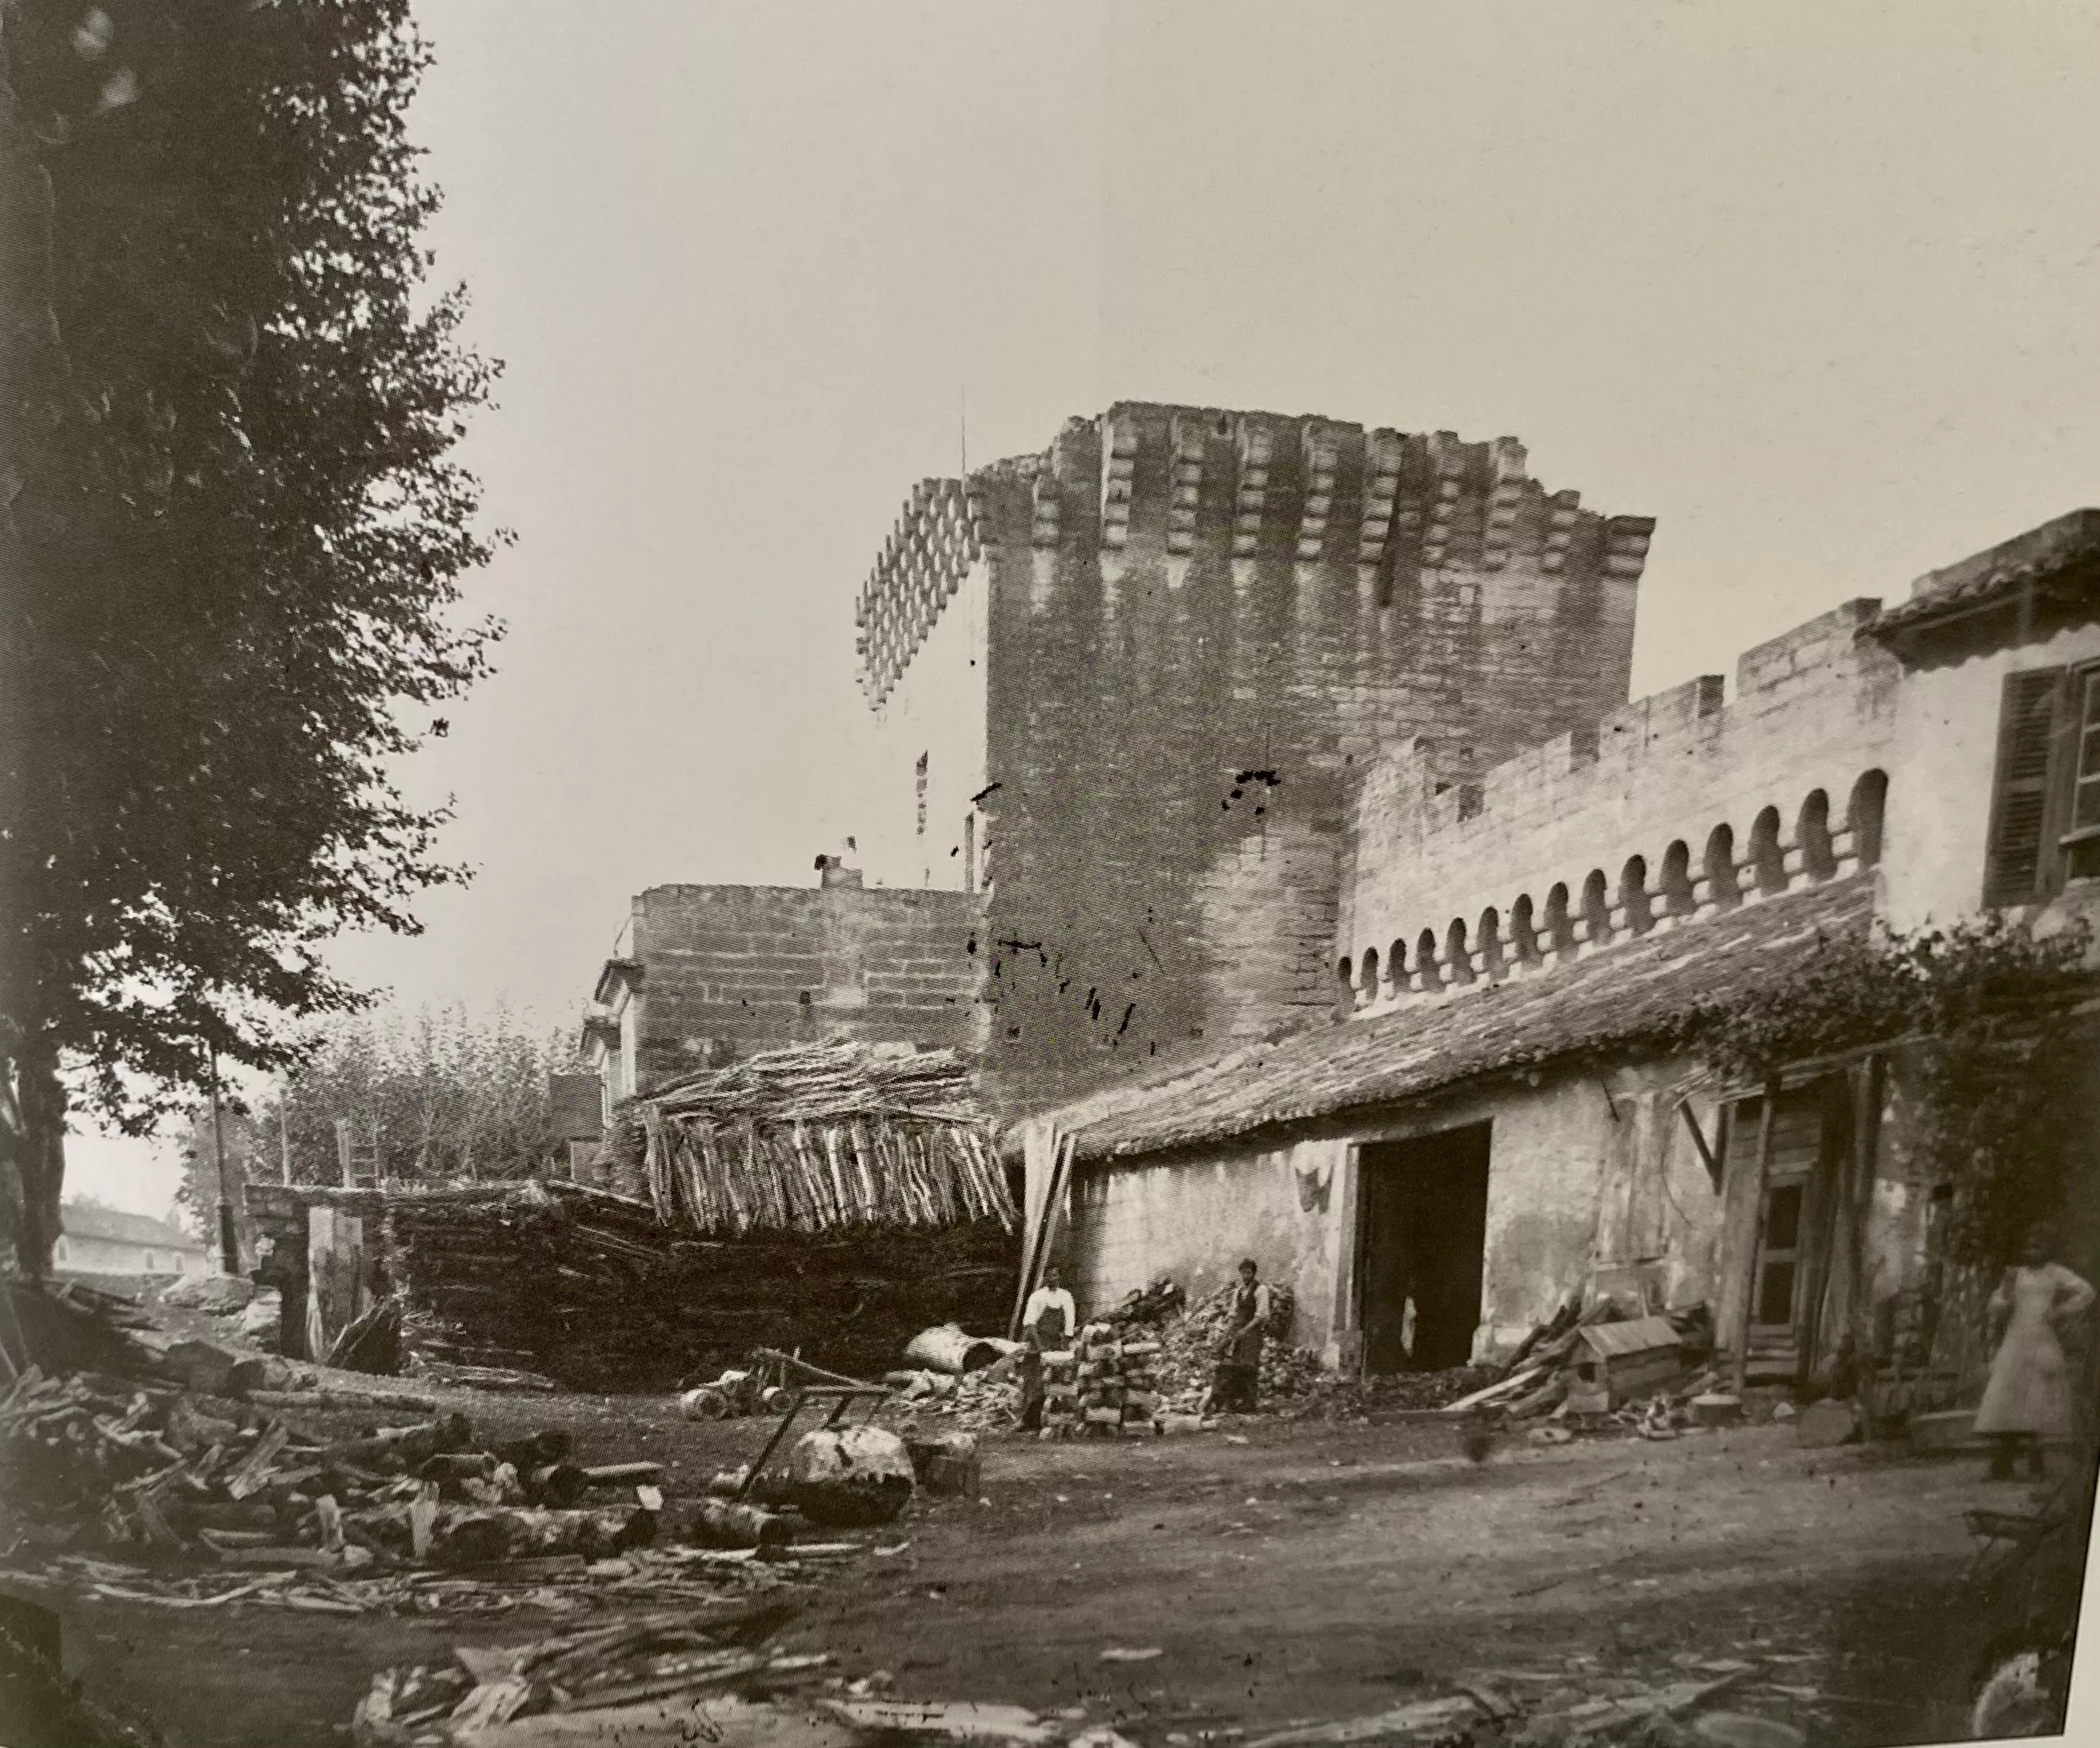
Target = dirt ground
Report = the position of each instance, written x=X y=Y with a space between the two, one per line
x=1282 y=1572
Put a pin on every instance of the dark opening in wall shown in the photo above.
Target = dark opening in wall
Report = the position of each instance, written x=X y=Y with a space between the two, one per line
x=1678 y=899
x=1597 y=907
x=1863 y=814
x=1425 y=961
x=1523 y=936
x=1559 y=925
x=1768 y=860
x=1491 y=963
x=1812 y=832
x=1721 y=866
x=1458 y=958
x=1632 y=895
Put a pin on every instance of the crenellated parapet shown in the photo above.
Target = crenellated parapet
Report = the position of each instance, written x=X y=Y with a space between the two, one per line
x=1321 y=498
x=942 y=532
x=1667 y=809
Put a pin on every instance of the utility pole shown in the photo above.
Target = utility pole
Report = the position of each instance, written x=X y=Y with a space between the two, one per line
x=229 y=1243
x=285 y=1132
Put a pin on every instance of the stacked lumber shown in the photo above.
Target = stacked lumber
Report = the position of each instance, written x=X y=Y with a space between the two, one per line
x=1101 y=1387
x=592 y=1290
x=821 y=1137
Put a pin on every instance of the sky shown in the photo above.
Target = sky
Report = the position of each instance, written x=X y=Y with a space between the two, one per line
x=1818 y=288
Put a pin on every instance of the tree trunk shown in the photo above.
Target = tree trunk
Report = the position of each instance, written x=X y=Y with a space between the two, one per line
x=33 y=1111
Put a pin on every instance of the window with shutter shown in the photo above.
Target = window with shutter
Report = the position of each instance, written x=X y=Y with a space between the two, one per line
x=2018 y=858
x=2081 y=844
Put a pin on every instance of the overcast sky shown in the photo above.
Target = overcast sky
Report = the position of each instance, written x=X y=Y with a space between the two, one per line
x=1816 y=287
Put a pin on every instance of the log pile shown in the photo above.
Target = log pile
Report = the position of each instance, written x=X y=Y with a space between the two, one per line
x=1102 y=1387
x=560 y=1281
x=1190 y=1345
x=147 y=1473
x=148 y=1469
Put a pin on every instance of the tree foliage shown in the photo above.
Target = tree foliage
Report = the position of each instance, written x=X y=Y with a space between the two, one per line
x=1980 y=1008
x=236 y=533
x=448 y=1098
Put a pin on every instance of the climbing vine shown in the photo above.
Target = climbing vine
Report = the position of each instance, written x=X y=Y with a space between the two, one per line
x=1980 y=1010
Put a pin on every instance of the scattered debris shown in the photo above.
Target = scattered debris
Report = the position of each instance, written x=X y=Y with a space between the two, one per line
x=948 y=1349
x=221 y=1295
x=851 y=1476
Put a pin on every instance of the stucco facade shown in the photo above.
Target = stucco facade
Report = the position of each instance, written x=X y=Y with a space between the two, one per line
x=1854 y=776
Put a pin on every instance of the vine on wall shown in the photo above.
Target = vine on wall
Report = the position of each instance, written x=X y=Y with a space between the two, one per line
x=1982 y=1007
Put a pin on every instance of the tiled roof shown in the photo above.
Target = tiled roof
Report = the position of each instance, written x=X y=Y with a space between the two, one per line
x=2041 y=554
x=115 y=1227
x=1608 y=1000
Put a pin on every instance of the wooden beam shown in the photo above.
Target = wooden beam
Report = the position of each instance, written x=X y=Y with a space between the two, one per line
x=1060 y=1166
x=1698 y=1141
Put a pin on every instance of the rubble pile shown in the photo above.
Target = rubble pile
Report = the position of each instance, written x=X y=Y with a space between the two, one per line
x=1189 y=1344
x=1651 y=1373
x=150 y=1472
x=654 y=1658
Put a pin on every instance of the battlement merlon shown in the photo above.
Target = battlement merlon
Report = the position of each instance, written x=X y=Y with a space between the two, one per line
x=1178 y=482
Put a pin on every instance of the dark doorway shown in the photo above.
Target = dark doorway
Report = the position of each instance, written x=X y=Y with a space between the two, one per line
x=1422 y=1236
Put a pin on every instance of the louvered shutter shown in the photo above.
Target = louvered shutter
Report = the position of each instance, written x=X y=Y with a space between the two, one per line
x=2020 y=809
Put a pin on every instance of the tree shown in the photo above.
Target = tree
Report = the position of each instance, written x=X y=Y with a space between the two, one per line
x=448 y=1097
x=234 y=534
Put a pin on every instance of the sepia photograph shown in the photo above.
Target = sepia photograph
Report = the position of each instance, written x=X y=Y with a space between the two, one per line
x=1144 y=874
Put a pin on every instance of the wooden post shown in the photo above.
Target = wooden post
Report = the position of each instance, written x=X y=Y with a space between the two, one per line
x=229 y=1242
x=1038 y=1248
x=1866 y=1154
x=1757 y=1205
x=285 y=1134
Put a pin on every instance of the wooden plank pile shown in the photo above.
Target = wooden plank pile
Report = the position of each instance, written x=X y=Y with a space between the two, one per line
x=1600 y=1362
x=558 y=1281
x=821 y=1137
x=660 y=1657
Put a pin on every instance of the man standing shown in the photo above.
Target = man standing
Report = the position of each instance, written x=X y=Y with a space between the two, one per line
x=1046 y=1327
x=1239 y=1356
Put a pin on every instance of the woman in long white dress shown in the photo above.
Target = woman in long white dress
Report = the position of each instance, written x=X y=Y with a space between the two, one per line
x=2028 y=1398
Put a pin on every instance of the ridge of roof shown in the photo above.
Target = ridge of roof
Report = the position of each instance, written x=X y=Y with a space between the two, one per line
x=115 y=1226
x=2040 y=555
x=1623 y=993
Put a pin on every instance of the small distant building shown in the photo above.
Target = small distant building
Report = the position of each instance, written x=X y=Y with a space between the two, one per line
x=103 y=1241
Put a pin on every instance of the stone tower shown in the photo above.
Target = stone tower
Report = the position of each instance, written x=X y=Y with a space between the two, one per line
x=1121 y=687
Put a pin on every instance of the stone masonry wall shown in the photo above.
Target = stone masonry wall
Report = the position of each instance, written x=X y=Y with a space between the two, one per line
x=1649 y=806
x=727 y=970
x=1200 y=622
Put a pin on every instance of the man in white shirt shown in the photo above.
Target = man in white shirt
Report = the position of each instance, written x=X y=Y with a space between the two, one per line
x=1046 y=1325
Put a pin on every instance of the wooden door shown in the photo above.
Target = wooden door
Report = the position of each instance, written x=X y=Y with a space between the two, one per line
x=1783 y=1261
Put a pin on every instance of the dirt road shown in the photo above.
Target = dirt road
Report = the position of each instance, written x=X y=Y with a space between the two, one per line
x=1311 y=1571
